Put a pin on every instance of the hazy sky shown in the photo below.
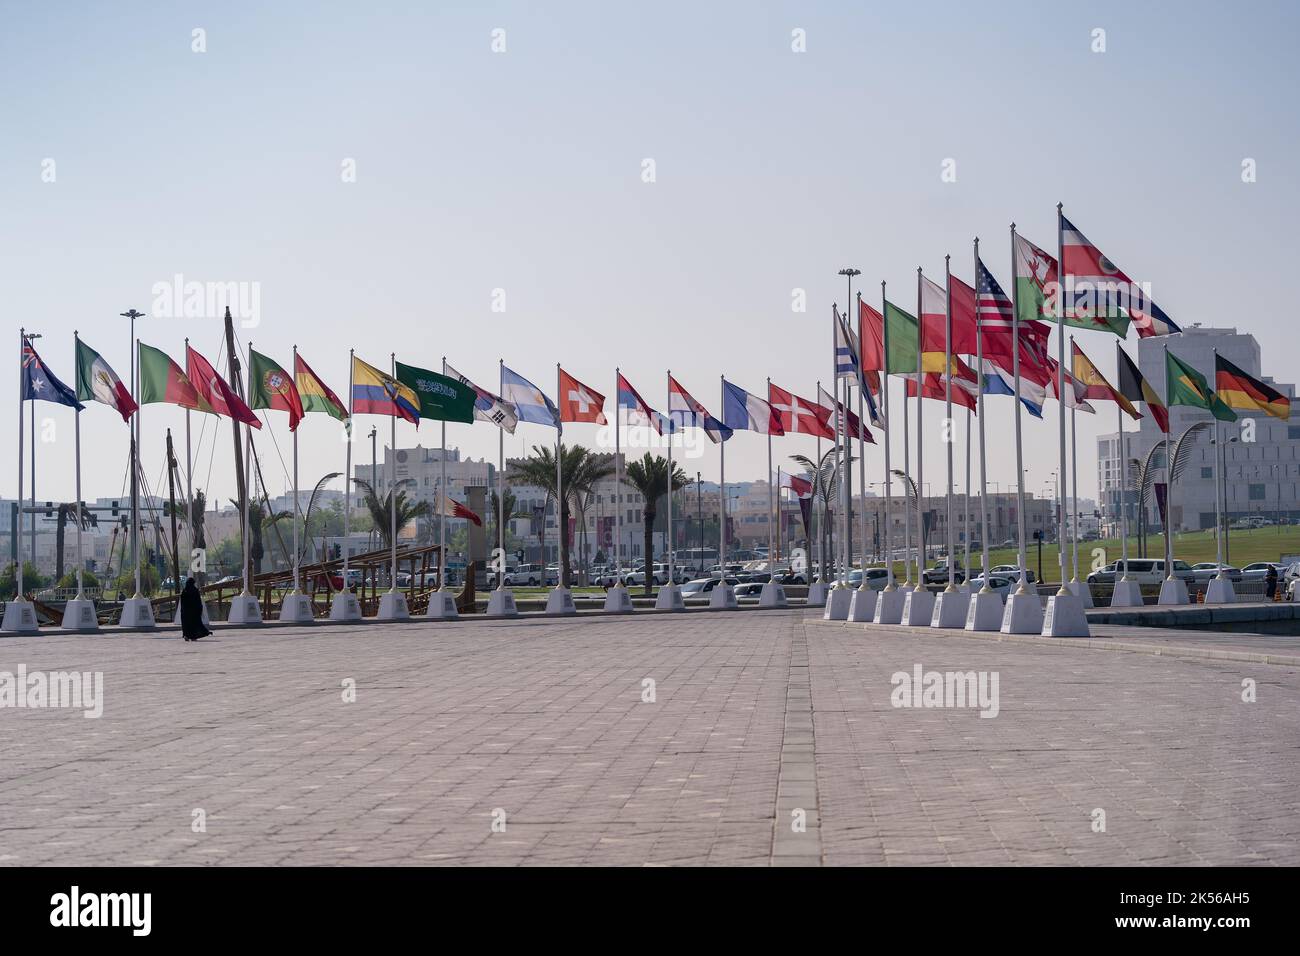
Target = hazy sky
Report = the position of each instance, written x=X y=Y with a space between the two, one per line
x=522 y=171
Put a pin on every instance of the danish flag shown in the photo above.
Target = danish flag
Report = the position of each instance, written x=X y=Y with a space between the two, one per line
x=799 y=415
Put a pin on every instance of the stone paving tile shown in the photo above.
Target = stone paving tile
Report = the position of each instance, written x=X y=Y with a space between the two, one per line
x=755 y=714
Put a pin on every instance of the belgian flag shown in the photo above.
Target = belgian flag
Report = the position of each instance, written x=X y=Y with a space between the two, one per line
x=1134 y=386
x=1239 y=390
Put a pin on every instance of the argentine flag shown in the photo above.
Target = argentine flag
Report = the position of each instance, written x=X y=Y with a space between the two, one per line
x=529 y=400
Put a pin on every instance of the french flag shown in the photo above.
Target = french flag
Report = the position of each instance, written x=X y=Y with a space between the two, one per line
x=686 y=412
x=745 y=412
x=636 y=409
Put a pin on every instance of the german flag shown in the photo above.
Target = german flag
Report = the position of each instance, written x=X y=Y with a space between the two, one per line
x=1239 y=390
x=1137 y=389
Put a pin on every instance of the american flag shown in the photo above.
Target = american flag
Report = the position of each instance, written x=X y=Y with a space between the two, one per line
x=992 y=305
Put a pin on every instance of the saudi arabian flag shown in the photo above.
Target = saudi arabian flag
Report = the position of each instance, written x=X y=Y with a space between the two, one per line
x=901 y=340
x=441 y=398
x=1186 y=386
x=161 y=380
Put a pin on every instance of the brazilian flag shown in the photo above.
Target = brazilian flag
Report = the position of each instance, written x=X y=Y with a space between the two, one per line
x=1186 y=386
x=441 y=398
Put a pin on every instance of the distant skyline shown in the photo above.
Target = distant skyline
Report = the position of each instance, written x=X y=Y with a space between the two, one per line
x=385 y=180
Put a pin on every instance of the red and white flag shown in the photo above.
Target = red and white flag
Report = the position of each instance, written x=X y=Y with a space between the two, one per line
x=451 y=508
x=802 y=487
x=212 y=388
x=855 y=429
x=578 y=402
x=799 y=415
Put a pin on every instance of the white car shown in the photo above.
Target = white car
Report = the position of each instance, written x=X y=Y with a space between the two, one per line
x=1011 y=571
x=999 y=585
x=526 y=575
x=658 y=575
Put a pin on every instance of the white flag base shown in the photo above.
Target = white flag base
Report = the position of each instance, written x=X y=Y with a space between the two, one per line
x=296 y=607
x=772 y=595
x=137 y=612
x=1173 y=591
x=560 y=602
x=20 y=618
x=1065 y=617
x=1220 y=591
x=837 y=603
x=244 y=609
x=918 y=608
x=964 y=588
x=344 y=606
x=1023 y=613
x=79 y=615
x=501 y=603
x=984 y=613
x=906 y=588
x=1126 y=594
x=722 y=597
x=889 y=607
x=1082 y=592
x=442 y=606
x=863 y=606
x=207 y=621
x=950 y=609
x=393 y=607
x=668 y=599
x=817 y=594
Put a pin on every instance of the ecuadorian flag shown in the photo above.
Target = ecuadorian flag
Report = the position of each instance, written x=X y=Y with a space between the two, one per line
x=374 y=393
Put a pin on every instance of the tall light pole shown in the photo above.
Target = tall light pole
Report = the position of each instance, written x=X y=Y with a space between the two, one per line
x=847 y=504
x=132 y=315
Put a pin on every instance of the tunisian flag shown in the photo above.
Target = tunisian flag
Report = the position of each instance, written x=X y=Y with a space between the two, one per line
x=578 y=403
x=213 y=389
x=799 y=415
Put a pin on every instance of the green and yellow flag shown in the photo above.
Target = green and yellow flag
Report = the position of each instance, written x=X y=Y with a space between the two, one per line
x=1186 y=386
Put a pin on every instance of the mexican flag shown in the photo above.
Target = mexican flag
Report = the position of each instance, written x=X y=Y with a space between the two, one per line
x=97 y=381
x=270 y=386
x=1186 y=386
x=901 y=337
x=161 y=380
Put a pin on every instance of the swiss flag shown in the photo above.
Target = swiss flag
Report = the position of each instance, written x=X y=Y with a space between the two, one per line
x=799 y=415
x=579 y=403
x=214 y=390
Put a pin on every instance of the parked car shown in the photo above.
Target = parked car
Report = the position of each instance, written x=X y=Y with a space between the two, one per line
x=939 y=574
x=999 y=585
x=749 y=589
x=658 y=575
x=1145 y=571
x=526 y=575
x=608 y=577
x=702 y=586
x=787 y=576
x=1012 y=571
x=1258 y=570
x=1203 y=572
x=877 y=578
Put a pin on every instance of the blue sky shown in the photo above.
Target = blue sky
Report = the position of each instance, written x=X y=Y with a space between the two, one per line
x=521 y=171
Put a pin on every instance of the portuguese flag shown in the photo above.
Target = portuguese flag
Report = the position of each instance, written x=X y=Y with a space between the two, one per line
x=1186 y=386
x=161 y=380
x=1239 y=390
x=902 y=338
x=441 y=398
x=270 y=386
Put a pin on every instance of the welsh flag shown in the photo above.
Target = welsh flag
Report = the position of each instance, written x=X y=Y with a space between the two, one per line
x=97 y=381
x=1035 y=275
x=270 y=386
x=219 y=396
x=161 y=380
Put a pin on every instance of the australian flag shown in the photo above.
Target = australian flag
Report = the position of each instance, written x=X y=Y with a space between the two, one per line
x=40 y=383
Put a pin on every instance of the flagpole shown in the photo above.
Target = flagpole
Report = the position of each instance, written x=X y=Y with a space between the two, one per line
x=1060 y=375
x=671 y=579
x=347 y=475
x=907 y=472
x=501 y=481
x=836 y=547
x=771 y=495
x=76 y=433
x=248 y=477
x=1123 y=487
x=1218 y=513
x=562 y=578
x=920 y=468
x=884 y=403
x=1169 y=485
x=821 y=521
x=296 y=584
x=18 y=551
x=1022 y=558
x=135 y=456
x=862 y=449
x=722 y=494
x=392 y=472
x=984 y=489
x=618 y=470
x=780 y=500
x=1074 y=476
x=947 y=350
x=443 y=503
x=189 y=479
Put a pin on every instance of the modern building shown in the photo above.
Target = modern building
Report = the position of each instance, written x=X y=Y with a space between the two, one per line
x=1262 y=474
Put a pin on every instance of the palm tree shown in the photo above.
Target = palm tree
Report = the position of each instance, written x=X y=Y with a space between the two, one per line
x=511 y=512
x=311 y=503
x=580 y=469
x=381 y=511
x=1155 y=458
x=649 y=477
x=825 y=477
x=258 y=518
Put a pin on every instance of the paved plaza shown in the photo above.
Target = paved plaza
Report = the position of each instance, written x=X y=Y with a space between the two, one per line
x=766 y=738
